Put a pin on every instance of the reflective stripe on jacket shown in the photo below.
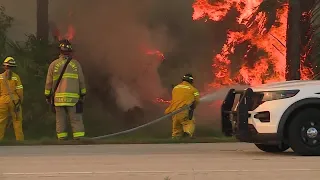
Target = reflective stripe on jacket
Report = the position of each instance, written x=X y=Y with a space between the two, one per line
x=183 y=94
x=71 y=86
x=15 y=86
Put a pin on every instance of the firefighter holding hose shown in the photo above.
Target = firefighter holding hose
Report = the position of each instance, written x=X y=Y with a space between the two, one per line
x=183 y=123
x=65 y=90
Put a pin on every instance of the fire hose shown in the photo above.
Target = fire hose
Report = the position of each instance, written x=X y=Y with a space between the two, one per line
x=145 y=125
x=142 y=126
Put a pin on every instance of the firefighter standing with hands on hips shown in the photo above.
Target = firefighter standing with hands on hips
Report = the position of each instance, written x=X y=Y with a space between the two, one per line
x=11 y=98
x=183 y=123
x=65 y=90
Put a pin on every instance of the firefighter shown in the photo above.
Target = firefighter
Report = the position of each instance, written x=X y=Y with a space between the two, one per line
x=11 y=98
x=66 y=95
x=183 y=123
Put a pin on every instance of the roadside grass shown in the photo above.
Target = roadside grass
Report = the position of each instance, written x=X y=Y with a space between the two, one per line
x=119 y=140
x=159 y=133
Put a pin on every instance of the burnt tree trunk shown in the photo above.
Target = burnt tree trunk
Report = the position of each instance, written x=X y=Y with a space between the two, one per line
x=306 y=30
x=293 y=41
x=42 y=20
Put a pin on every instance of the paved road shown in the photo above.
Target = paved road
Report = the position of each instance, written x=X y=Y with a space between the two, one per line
x=224 y=161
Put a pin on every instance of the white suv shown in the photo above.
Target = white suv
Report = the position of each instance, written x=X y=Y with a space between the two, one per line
x=275 y=116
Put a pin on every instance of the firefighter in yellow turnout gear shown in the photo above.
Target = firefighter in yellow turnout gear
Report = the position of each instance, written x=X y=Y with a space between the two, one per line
x=183 y=94
x=69 y=94
x=11 y=98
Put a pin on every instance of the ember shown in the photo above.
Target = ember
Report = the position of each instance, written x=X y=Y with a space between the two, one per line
x=160 y=100
x=157 y=53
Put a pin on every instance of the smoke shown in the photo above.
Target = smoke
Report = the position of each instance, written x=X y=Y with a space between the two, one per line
x=24 y=17
x=127 y=98
x=114 y=36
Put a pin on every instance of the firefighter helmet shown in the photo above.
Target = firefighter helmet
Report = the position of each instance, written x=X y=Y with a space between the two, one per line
x=188 y=77
x=9 y=61
x=65 y=46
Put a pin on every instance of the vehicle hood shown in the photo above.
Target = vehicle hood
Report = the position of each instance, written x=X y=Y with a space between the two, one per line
x=294 y=84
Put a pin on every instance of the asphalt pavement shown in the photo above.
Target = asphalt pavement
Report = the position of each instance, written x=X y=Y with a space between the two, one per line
x=222 y=161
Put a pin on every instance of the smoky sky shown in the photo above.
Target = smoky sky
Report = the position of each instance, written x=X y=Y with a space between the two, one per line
x=115 y=35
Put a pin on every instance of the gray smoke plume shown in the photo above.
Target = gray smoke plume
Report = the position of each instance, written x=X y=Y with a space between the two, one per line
x=114 y=36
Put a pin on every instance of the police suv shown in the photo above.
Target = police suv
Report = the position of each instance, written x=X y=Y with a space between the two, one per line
x=275 y=116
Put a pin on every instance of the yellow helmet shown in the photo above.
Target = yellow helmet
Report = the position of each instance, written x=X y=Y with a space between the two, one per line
x=9 y=61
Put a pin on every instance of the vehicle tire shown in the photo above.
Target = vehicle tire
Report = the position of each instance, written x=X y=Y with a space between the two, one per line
x=303 y=132
x=272 y=148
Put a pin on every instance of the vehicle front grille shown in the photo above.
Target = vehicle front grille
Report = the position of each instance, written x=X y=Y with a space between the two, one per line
x=256 y=101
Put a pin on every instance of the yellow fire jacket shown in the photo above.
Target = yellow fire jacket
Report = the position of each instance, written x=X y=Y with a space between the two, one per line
x=71 y=86
x=15 y=86
x=183 y=94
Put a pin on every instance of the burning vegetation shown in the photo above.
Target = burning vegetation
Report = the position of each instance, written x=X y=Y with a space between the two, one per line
x=260 y=32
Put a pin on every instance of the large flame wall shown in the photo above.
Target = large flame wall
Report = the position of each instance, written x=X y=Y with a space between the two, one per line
x=270 y=66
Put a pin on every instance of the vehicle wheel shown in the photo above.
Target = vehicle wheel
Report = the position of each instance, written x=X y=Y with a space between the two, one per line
x=272 y=148
x=304 y=137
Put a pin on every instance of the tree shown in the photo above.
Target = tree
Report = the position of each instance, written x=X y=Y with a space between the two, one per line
x=42 y=20
x=302 y=42
x=293 y=41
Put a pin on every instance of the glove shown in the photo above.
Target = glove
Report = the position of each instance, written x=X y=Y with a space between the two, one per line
x=48 y=99
x=82 y=97
x=17 y=106
x=79 y=105
x=192 y=107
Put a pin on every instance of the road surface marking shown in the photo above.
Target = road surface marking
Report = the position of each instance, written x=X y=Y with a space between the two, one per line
x=153 y=172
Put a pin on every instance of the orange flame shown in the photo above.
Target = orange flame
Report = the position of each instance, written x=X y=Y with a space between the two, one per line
x=157 y=53
x=271 y=42
x=71 y=32
x=69 y=35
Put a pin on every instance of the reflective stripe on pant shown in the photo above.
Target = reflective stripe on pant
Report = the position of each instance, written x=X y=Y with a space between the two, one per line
x=62 y=114
x=181 y=124
x=5 y=109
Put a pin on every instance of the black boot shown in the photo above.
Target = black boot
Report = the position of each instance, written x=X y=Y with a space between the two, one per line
x=63 y=139
x=187 y=136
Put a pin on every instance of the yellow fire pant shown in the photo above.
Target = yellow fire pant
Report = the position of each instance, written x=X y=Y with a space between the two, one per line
x=181 y=124
x=5 y=110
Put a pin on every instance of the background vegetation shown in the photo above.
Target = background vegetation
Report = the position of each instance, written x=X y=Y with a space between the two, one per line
x=33 y=58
